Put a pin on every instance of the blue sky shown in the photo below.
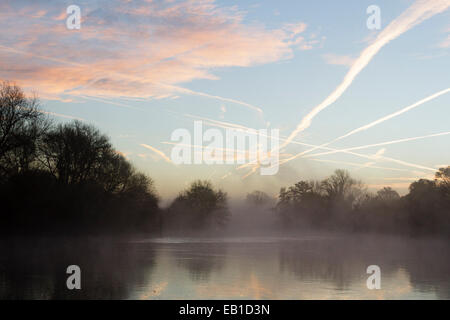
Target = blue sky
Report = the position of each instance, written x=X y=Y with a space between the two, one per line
x=127 y=68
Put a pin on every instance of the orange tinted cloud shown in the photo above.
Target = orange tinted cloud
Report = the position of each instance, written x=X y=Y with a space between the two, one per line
x=158 y=152
x=132 y=49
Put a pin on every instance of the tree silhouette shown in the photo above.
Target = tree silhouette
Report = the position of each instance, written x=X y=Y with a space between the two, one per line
x=21 y=126
x=339 y=186
x=66 y=178
x=69 y=178
x=443 y=181
x=258 y=198
x=75 y=153
x=200 y=206
x=387 y=194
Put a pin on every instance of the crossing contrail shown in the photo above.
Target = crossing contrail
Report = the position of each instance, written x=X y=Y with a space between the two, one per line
x=111 y=102
x=220 y=124
x=374 y=123
x=159 y=152
x=414 y=15
x=61 y=115
x=254 y=165
x=393 y=115
x=360 y=165
x=372 y=157
x=379 y=144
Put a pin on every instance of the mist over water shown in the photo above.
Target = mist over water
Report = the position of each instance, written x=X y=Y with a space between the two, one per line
x=313 y=266
x=70 y=200
x=197 y=149
x=263 y=251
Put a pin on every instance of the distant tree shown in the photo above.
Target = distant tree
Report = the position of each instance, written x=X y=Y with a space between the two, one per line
x=443 y=175
x=421 y=188
x=381 y=212
x=387 y=194
x=442 y=179
x=302 y=203
x=301 y=193
x=423 y=205
x=258 y=198
x=339 y=186
x=340 y=202
x=200 y=206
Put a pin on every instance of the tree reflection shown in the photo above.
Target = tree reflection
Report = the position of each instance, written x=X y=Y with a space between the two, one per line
x=36 y=269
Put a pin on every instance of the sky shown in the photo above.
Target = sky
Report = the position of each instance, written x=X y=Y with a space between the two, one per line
x=141 y=69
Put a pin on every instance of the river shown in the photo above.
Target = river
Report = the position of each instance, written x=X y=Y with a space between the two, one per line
x=290 y=267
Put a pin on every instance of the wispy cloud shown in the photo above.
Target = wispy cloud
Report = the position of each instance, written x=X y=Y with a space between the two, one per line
x=339 y=60
x=158 y=152
x=139 y=49
x=445 y=43
x=399 y=185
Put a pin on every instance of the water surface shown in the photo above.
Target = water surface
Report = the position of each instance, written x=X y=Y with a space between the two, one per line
x=308 y=267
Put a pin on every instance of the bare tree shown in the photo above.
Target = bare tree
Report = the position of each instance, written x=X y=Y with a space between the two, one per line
x=339 y=186
x=200 y=206
x=259 y=198
x=387 y=194
x=75 y=153
x=21 y=126
x=442 y=178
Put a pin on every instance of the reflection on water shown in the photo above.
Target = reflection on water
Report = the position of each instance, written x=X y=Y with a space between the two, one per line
x=313 y=267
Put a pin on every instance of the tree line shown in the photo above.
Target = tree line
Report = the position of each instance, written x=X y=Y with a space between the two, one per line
x=342 y=203
x=65 y=177
x=68 y=178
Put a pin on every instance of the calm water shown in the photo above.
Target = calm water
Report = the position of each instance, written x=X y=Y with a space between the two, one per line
x=310 y=267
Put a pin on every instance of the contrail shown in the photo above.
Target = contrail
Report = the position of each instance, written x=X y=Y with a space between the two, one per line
x=14 y=50
x=414 y=15
x=371 y=157
x=201 y=94
x=220 y=124
x=360 y=165
x=240 y=153
x=393 y=115
x=252 y=171
x=229 y=125
x=313 y=147
x=408 y=164
x=159 y=152
x=111 y=102
x=255 y=164
x=379 y=144
x=173 y=87
x=374 y=123
x=62 y=115
x=371 y=163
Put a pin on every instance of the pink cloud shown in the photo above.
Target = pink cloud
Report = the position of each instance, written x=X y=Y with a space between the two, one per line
x=445 y=43
x=134 y=49
x=339 y=60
